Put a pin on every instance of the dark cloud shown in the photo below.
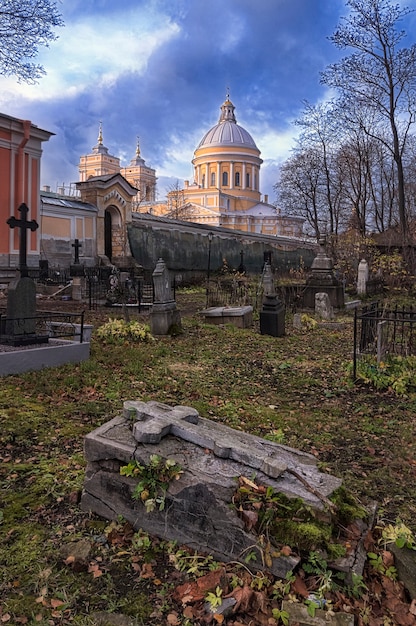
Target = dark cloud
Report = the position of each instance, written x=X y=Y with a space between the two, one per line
x=269 y=53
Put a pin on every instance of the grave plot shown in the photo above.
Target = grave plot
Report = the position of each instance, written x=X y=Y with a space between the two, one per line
x=214 y=489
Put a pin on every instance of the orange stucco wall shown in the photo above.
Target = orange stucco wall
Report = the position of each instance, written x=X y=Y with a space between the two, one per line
x=56 y=227
x=5 y=171
x=88 y=228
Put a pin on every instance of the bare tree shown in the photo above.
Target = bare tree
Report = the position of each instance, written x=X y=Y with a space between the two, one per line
x=379 y=75
x=299 y=189
x=24 y=26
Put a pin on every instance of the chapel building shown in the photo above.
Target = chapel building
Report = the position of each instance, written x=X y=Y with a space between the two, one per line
x=100 y=163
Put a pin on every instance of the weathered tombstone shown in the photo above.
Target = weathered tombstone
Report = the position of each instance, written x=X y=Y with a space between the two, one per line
x=76 y=271
x=272 y=315
x=323 y=306
x=20 y=323
x=164 y=316
x=322 y=279
x=362 y=278
x=198 y=509
x=268 y=281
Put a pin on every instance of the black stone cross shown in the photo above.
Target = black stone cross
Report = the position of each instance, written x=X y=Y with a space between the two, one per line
x=76 y=245
x=24 y=225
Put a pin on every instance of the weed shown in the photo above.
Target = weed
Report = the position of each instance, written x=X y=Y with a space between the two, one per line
x=117 y=331
x=154 y=479
x=214 y=598
x=376 y=562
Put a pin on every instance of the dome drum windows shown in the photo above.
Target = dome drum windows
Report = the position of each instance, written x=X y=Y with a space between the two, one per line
x=225 y=179
x=237 y=181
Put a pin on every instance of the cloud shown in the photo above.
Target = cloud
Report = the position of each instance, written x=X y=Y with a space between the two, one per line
x=160 y=69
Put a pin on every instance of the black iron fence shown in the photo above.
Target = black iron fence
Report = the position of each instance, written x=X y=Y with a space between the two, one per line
x=234 y=291
x=380 y=331
x=39 y=328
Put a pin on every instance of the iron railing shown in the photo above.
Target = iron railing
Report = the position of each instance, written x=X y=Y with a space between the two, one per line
x=380 y=331
x=39 y=328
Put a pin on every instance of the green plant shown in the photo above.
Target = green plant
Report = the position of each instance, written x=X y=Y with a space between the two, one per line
x=282 y=586
x=308 y=322
x=192 y=564
x=395 y=372
x=399 y=534
x=322 y=577
x=214 y=598
x=282 y=615
x=154 y=479
x=118 y=331
x=376 y=561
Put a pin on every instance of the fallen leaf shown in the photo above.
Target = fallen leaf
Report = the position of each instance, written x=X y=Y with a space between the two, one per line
x=188 y=612
x=55 y=603
x=248 y=483
x=243 y=597
x=147 y=571
x=172 y=619
x=198 y=589
x=219 y=618
x=6 y=618
x=69 y=560
x=299 y=587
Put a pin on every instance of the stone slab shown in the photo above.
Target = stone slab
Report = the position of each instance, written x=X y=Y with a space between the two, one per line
x=405 y=563
x=59 y=328
x=299 y=616
x=198 y=508
x=240 y=316
x=55 y=353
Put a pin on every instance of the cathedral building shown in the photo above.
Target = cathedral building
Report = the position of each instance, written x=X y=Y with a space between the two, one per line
x=224 y=192
x=226 y=187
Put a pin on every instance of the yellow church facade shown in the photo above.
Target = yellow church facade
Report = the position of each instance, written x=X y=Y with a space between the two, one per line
x=226 y=187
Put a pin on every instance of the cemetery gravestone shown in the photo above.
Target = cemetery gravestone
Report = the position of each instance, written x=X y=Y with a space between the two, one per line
x=323 y=306
x=323 y=280
x=362 y=279
x=164 y=316
x=198 y=509
x=272 y=315
x=76 y=272
x=20 y=323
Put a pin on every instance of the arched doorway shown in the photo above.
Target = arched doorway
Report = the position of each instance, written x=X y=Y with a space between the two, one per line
x=108 y=236
x=114 y=236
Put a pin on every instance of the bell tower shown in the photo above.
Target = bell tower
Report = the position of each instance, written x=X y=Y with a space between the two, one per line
x=98 y=162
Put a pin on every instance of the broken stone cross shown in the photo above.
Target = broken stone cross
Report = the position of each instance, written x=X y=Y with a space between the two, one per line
x=155 y=420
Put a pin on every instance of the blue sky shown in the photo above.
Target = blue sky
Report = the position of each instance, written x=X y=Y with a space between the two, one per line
x=160 y=70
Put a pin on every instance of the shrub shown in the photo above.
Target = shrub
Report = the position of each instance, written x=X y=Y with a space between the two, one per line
x=118 y=331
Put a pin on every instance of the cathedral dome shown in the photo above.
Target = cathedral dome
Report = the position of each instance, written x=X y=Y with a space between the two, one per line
x=227 y=132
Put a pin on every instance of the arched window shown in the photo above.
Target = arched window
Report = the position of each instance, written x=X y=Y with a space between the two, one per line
x=212 y=179
x=247 y=180
x=225 y=179
x=203 y=181
x=237 y=179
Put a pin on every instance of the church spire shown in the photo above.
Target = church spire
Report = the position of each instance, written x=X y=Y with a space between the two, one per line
x=138 y=148
x=100 y=134
x=227 y=110
x=100 y=147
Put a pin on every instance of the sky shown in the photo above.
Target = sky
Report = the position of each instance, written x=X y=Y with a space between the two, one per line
x=160 y=70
